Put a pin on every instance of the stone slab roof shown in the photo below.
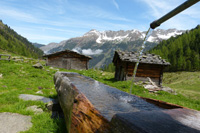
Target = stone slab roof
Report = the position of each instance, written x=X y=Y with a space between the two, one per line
x=65 y=51
x=145 y=58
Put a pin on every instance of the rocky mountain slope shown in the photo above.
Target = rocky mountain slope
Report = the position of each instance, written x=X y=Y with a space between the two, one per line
x=12 y=42
x=101 y=45
x=37 y=45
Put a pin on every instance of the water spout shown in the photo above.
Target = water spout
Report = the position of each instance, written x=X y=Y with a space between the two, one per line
x=169 y=15
x=150 y=30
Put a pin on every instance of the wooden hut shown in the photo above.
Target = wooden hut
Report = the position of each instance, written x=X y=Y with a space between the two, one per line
x=151 y=66
x=68 y=59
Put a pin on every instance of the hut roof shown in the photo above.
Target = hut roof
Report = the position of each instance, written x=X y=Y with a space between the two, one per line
x=145 y=58
x=66 y=51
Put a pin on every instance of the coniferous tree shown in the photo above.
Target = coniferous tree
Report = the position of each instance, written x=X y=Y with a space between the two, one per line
x=182 y=51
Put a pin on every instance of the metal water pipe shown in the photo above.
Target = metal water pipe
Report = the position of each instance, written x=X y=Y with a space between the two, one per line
x=177 y=10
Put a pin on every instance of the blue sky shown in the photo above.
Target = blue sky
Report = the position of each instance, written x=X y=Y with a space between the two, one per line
x=46 y=21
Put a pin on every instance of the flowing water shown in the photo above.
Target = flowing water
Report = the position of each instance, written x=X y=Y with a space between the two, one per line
x=108 y=100
x=140 y=53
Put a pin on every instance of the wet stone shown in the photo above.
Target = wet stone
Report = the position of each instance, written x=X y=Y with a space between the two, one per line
x=27 y=97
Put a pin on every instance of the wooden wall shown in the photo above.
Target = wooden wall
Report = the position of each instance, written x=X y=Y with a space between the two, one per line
x=68 y=61
x=124 y=71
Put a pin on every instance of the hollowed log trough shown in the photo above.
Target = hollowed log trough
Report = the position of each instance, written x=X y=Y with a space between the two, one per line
x=90 y=106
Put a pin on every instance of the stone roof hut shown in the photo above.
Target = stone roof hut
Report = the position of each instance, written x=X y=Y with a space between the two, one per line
x=150 y=65
x=68 y=59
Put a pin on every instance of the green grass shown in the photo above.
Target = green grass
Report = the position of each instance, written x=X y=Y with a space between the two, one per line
x=179 y=99
x=22 y=78
x=185 y=83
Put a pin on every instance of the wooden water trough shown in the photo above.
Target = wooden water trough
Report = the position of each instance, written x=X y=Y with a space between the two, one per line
x=90 y=106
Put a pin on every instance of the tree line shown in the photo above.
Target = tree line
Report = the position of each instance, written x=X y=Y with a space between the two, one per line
x=15 y=43
x=181 y=51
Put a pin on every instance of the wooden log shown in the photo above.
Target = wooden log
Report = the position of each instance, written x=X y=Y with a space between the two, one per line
x=80 y=114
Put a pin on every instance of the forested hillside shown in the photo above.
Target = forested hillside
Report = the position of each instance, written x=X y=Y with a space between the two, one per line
x=15 y=43
x=182 y=51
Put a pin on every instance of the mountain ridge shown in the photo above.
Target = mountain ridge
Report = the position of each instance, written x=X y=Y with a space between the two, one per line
x=102 y=44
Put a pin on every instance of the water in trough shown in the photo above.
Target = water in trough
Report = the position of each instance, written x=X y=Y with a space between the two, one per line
x=108 y=100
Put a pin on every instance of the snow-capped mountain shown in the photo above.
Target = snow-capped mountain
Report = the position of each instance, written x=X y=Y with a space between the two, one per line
x=102 y=44
x=132 y=35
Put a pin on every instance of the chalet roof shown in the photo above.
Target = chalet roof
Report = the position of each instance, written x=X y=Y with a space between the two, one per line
x=145 y=58
x=66 y=51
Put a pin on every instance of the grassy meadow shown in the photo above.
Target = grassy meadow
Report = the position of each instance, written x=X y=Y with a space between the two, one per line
x=185 y=83
x=19 y=77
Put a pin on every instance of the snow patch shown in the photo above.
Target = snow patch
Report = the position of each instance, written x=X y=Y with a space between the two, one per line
x=169 y=35
x=151 y=39
x=99 y=39
x=104 y=37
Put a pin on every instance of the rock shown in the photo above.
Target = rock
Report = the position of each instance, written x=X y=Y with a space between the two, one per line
x=35 y=109
x=38 y=65
x=149 y=87
x=51 y=68
x=39 y=92
x=40 y=88
x=14 y=123
x=54 y=106
x=27 y=97
x=167 y=89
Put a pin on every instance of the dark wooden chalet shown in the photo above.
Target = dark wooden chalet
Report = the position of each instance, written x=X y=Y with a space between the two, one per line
x=150 y=65
x=68 y=59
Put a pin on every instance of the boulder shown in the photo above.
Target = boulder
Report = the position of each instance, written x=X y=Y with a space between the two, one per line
x=38 y=65
x=35 y=109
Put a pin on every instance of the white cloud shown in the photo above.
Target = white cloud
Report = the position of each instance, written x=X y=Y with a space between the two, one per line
x=116 y=4
x=87 y=51
x=91 y=52
x=77 y=49
x=18 y=15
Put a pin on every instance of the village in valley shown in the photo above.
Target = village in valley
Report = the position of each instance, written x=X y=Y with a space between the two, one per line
x=112 y=81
